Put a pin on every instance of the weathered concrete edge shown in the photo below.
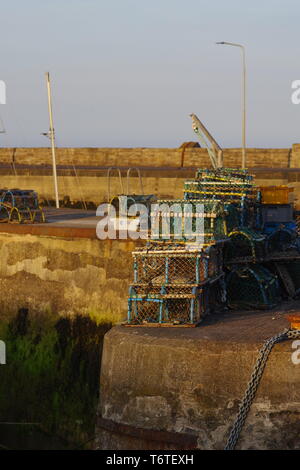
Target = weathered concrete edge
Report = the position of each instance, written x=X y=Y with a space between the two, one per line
x=119 y=381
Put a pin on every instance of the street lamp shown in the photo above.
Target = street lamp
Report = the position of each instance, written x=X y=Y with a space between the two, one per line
x=243 y=100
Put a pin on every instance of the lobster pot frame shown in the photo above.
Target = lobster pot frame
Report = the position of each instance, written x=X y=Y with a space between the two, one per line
x=252 y=286
x=245 y=245
x=280 y=240
x=167 y=266
x=20 y=206
x=183 y=306
x=183 y=221
x=241 y=214
x=222 y=190
x=224 y=184
x=231 y=175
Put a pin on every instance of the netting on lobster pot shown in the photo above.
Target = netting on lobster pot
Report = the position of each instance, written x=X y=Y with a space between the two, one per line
x=243 y=244
x=162 y=310
x=280 y=240
x=252 y=286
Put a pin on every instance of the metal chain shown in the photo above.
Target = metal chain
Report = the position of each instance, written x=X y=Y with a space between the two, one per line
x=253 y=384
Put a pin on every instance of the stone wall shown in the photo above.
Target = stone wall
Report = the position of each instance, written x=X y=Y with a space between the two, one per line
x=65 y=276
x=30 y=168
x=256 y=157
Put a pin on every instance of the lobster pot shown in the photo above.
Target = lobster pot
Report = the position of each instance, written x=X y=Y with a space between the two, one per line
x=251 y=287
x=231 y=175
x=232 y=217
x=187 y=221
x=293 y=268
x=20 y=198
x=161 y=265
x=280 y=240
x=219 y=190
x=19 y=206
x=4 y=213
x=30 y=199
x=215 y=260
x=172 y=306
x=224 y=184
x=244 y=245
x=132 y=200
x=240 y=214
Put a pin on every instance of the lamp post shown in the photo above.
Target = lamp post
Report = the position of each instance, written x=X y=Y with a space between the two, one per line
x=243 y=99
x=52 y=137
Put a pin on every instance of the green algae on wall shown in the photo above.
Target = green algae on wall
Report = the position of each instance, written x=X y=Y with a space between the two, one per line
x=52 y=374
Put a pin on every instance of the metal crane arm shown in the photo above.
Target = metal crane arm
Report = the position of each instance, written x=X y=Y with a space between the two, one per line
x=215 y=152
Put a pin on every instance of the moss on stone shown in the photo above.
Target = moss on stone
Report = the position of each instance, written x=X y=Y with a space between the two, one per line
x=52 y=373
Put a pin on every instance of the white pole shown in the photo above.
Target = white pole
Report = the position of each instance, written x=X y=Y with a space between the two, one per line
x=244 y=109
x=52 y=137
x=243 y=98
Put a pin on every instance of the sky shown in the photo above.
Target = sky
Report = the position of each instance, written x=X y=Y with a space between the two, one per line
x=127 y=73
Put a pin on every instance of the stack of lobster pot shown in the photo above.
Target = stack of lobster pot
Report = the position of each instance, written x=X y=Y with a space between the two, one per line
x=175 y=284
x=278 y=223
x=215 y=245
x=178 y=275
x=249 y=281
x=249 y=284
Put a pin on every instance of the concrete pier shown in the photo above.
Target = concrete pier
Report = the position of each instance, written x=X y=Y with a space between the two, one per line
x=179 y=388
x=161 y=388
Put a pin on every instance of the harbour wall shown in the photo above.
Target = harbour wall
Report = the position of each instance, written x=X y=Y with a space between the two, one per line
x=82 y=172
x=157 y=157
x=64 y=275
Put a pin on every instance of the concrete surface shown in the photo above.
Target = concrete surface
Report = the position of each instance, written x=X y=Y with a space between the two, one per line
x=63 y=222
x=190 y=381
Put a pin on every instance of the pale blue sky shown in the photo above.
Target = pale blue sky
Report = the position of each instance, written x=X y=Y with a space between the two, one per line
x=129 y=72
